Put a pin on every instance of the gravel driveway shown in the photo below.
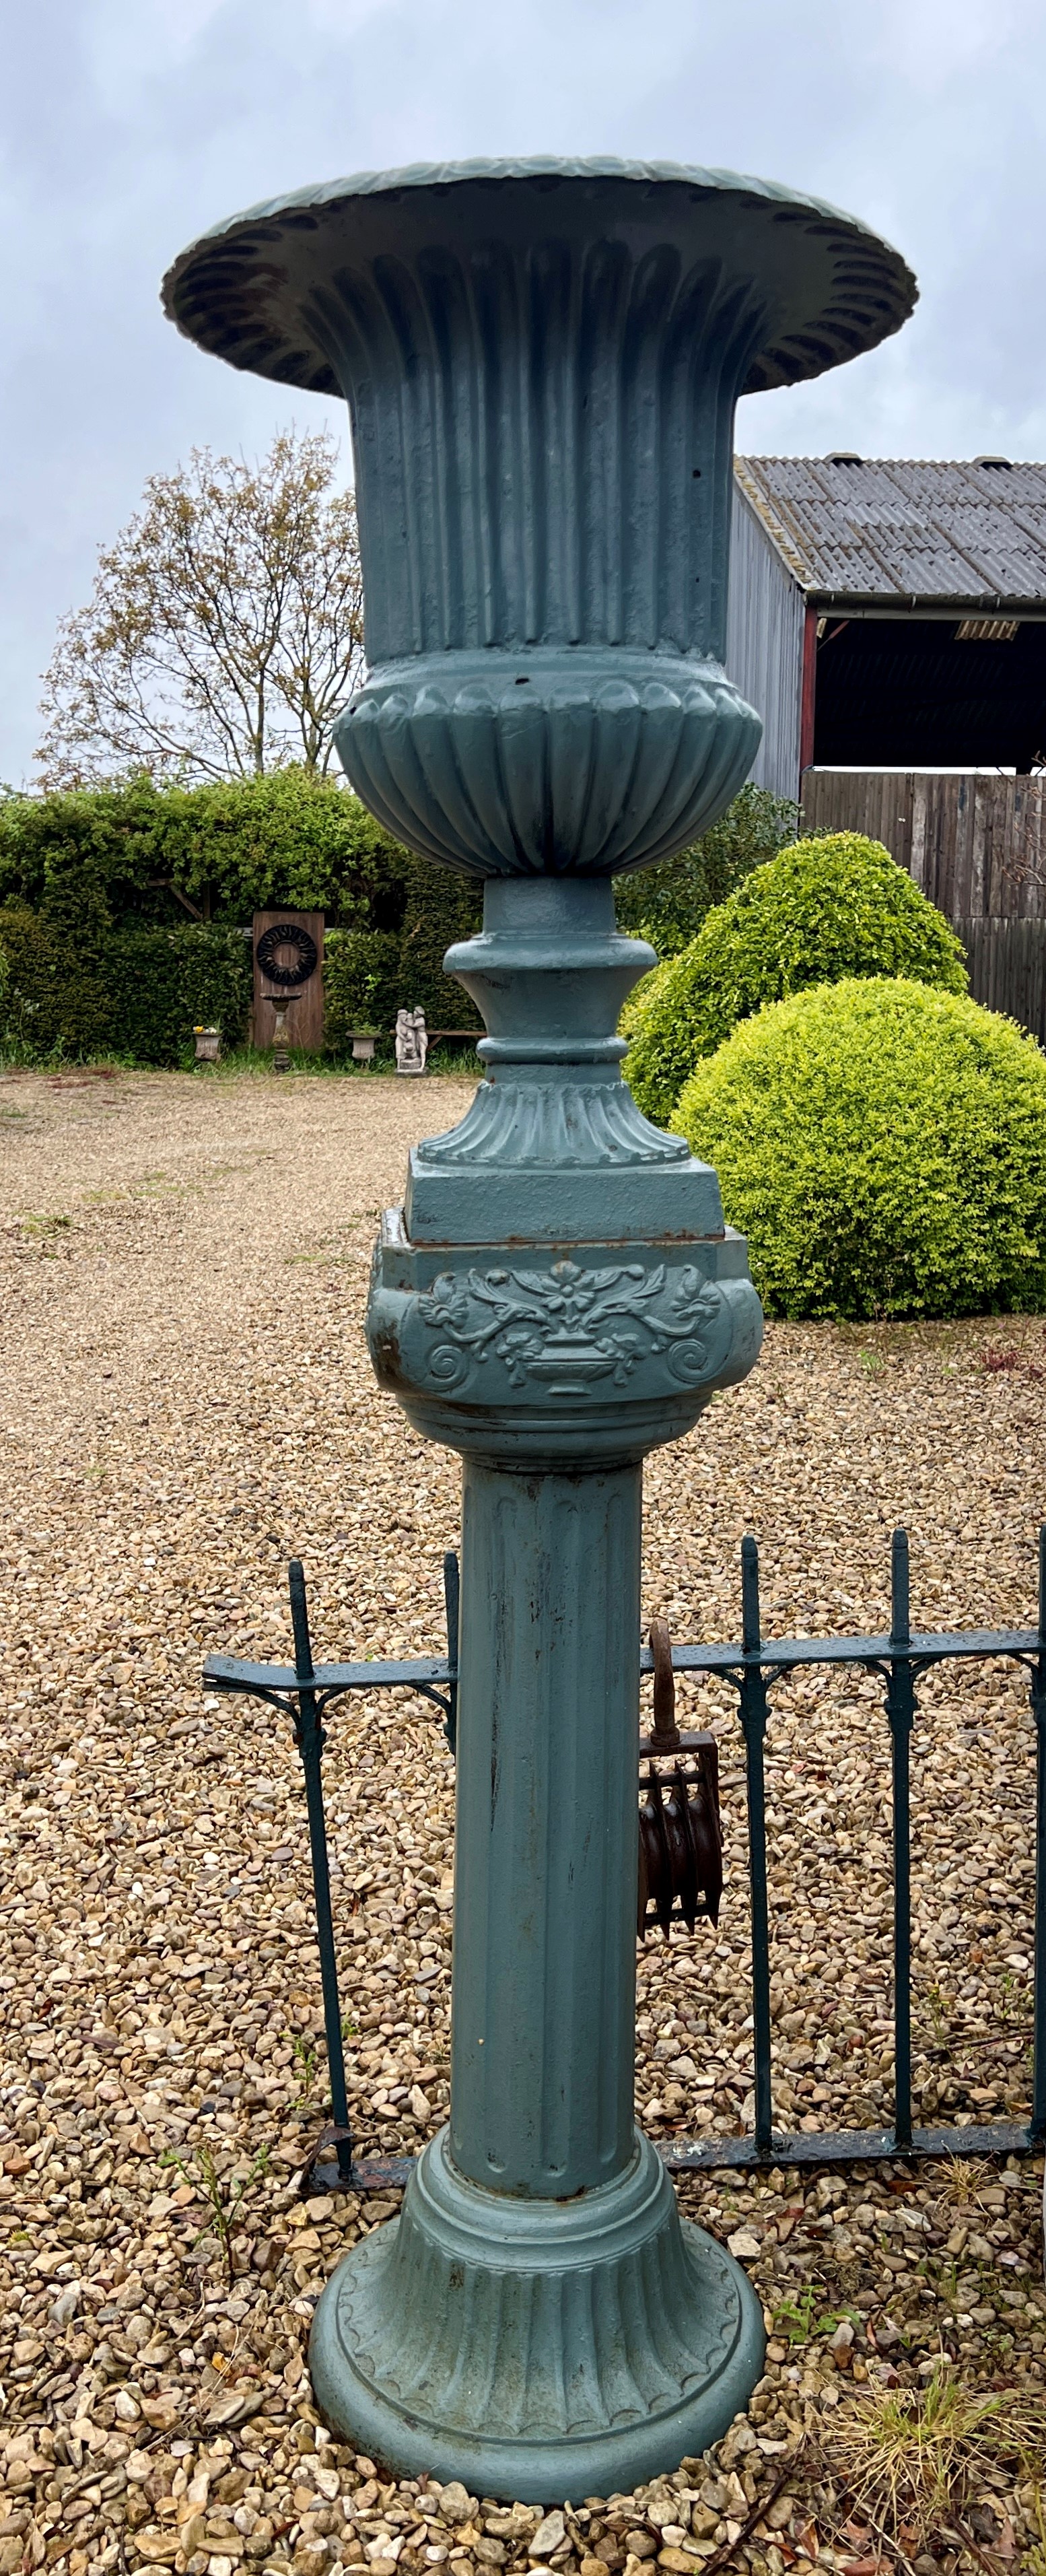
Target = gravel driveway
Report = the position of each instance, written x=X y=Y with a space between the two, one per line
x=187 y=1402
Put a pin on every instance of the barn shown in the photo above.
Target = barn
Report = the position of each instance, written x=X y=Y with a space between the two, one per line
x=888 y=620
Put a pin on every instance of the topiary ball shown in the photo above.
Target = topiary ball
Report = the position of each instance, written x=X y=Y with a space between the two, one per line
x=883 y=1147
x=819 y=911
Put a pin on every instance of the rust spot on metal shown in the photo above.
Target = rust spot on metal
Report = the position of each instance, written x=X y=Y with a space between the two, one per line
x=665 y=1737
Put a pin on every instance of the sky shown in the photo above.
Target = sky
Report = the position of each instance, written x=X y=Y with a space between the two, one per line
x=129 y=126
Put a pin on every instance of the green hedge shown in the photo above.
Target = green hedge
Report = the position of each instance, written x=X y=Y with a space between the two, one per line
x=137 y=992
x=821 y=910
x=121 y=856
x=440 y=908
x=55 y=1001
x=370 y=975
x=82 y=871
x=165 y=983
x=883 y=1147
x=141 y=992
x=361 y=986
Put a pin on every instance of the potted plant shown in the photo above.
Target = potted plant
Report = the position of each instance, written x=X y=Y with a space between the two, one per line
x=208 y=1045
x=363 y=1039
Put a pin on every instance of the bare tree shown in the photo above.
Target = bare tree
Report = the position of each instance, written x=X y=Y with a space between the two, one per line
x=224 y=630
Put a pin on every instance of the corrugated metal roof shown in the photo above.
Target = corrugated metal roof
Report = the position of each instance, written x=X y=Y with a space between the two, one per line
x=885 y=531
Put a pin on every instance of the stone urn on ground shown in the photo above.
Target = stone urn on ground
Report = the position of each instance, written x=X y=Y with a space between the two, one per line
x=541 y=361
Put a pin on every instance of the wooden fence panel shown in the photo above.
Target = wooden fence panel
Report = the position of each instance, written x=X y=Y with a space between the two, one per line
x=1007 y=962
x=975 y=843
x=871 y=801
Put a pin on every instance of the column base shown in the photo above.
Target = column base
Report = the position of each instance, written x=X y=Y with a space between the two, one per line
x=536 y=2349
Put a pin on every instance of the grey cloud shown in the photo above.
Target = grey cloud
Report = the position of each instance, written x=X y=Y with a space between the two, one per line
x=126 y=129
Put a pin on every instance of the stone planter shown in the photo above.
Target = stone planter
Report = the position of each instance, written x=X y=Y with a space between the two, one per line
x=208 y=1045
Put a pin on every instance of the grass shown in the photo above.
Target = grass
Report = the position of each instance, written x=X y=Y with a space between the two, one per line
x=17 y=1056
x=460 y=1060
x=912 y=2459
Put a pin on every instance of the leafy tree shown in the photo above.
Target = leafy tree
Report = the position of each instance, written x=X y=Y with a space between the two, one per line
x=667 y=904
x=224 y=630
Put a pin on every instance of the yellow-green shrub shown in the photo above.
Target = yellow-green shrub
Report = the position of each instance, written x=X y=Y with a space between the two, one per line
x=819 y=911
x=883 y=1147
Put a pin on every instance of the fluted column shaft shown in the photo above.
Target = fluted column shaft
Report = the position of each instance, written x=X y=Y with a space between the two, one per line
x=544 y=1951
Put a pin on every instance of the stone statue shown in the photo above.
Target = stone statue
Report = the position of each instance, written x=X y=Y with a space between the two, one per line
x=412 y=1043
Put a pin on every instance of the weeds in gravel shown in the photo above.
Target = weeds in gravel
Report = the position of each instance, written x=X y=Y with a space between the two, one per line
x=911 y=2458
x=305 y=2056
x=966 y=2178
x=44 y=1225
x=797 y=2318
x=938 y=2014
x=224 y=2193
x=794 y=2318
x=945 y=2283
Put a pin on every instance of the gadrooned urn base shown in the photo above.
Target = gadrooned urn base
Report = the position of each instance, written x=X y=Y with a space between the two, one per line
x=536 y=2349
x=548 y=759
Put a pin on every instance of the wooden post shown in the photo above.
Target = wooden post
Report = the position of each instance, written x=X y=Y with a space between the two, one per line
x=305 y=1019
x=809 y=697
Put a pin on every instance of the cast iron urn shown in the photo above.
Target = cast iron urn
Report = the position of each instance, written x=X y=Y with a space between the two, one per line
x=541 y=361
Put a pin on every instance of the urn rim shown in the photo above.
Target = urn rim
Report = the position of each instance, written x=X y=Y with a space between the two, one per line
x=230 y=292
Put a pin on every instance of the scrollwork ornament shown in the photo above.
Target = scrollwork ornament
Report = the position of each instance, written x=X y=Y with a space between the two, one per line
x=568 y=1328
x=448 y=1368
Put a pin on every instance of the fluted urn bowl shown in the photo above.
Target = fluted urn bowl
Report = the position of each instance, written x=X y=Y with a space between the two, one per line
x=541 y=360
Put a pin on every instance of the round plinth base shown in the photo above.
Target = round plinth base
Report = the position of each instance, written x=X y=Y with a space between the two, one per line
x=534 y=2349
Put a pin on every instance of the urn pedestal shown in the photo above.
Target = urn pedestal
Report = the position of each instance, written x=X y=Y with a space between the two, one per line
x=541 y=362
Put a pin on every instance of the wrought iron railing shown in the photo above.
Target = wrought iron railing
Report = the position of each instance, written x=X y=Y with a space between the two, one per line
x=751 y=1668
